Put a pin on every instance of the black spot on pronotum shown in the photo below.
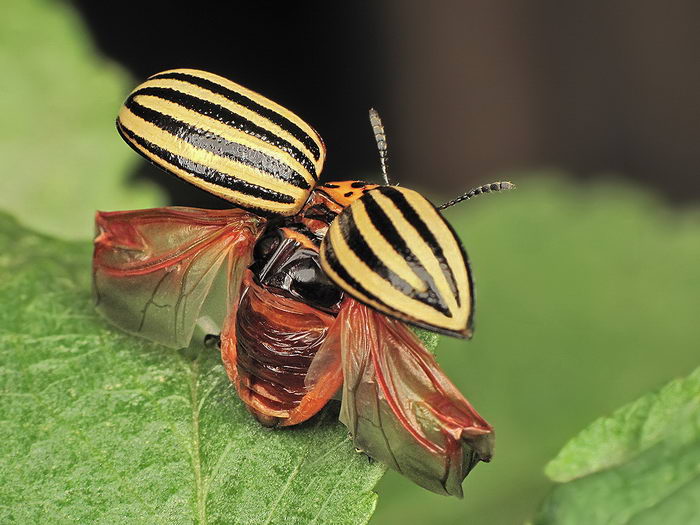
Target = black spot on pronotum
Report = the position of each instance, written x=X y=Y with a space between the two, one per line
x=358 y=184
x=349 y=194
x=331 y=185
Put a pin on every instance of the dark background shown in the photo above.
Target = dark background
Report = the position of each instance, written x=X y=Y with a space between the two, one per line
x=468 y=90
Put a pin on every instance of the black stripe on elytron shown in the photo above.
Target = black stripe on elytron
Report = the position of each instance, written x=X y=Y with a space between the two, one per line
x=359 y=246
x=388 y=231
x=240 y=99
x=228 y=117
x=412 y=217
x=204 y=172
x=218 y=145
x=338 y=268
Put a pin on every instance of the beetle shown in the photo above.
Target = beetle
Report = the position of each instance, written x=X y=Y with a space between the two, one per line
x=313 y=285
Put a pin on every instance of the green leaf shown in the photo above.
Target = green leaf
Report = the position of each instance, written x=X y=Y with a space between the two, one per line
x=429 y=339
x=641 y=465
x=61 y=155
x=101 y=427
x=586 y=299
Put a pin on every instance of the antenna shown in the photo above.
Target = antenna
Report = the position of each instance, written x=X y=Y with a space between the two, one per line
x=486 y=188
x=379 y=135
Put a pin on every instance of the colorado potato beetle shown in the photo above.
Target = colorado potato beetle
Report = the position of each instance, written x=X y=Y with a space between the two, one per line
x=313 y=285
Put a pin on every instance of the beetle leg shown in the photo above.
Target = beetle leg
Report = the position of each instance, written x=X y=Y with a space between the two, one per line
x=213 y=341
x=370 y=459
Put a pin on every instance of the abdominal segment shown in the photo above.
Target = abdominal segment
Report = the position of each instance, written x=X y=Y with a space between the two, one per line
x=277 y=338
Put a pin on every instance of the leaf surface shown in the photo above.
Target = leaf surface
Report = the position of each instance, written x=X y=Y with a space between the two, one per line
x=639 y=466
x=61 y=155
x=101 y=427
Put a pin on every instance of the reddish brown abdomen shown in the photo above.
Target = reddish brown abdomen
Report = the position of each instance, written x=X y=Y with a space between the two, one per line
x=276 y=340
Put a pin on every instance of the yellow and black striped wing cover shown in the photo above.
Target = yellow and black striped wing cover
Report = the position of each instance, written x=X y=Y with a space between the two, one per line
x=225 y=139
x=392 y=250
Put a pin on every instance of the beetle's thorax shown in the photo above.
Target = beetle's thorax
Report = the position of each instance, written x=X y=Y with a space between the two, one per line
x=287 y=305
x=338 y=195
x=286 y=257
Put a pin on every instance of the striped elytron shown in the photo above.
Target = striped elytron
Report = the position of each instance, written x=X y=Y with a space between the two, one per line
x=305 y=286
x=225 y=139
x=393 y=251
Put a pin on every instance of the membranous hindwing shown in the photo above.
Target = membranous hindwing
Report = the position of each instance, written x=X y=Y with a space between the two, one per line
x=392 y=250
x=225 y=139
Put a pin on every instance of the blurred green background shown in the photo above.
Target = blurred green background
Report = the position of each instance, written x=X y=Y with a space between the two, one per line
x=587 y=287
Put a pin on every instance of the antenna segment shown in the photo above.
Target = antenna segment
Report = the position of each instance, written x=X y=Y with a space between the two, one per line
x=486 y=188
x=379 y=135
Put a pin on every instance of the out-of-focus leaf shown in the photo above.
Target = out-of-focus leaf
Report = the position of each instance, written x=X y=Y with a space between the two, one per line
x=586 y=298
x=61 y=156
x=641 y=465
x=611 y=442
x=100 y=427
